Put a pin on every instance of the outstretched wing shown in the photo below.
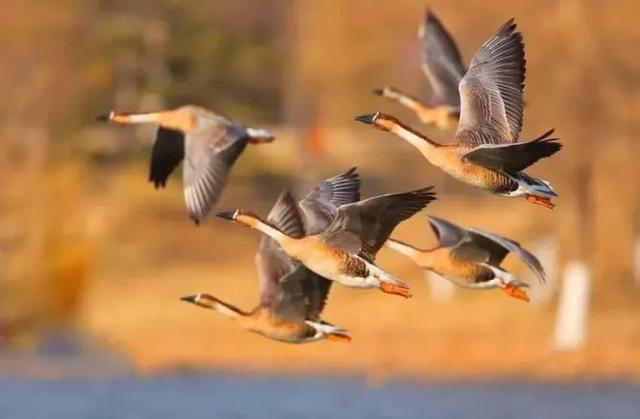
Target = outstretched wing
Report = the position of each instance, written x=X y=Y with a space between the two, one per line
x=513 y=158
x=441 y=61
x=210 y=153
x=491 y=91
x=447 y=233
x=301 y=296
x=320 y=206
x=167 y=153
x=477 y=248
x=363 y=227
x=512 y=246
x=273 y=264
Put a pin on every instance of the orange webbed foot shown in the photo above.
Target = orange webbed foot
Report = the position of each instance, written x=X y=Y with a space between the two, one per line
x=338 y=337
x=515 y=292
x=538 y=200
x=395 y=289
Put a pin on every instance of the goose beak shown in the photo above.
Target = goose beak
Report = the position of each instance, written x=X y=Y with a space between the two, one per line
x=105 y=117
x=378 y=92
x=190 y=298
x=367 y=119
x=227 y=215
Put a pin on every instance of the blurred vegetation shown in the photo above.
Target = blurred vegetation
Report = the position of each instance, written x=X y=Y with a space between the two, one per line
x=79 y=225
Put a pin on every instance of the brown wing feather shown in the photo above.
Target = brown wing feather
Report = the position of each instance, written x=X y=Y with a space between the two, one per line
x=491 y=91
x=320 y=206
x=442 y=62
x=513 y=158
x=210 y=153
x=447 y=233
x=301 y=295
x=273 y=264
x=509 y=245
x=167 y=153
x=372 y=221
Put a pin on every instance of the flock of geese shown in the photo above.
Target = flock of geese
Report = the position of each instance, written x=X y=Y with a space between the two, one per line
x=331 y=234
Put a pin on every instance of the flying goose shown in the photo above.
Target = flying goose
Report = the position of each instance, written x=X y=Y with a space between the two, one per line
x=443 y=68
x=486 y=152
x=208 y=143
x=471 y=258
x=291 y=296
x=344 y=251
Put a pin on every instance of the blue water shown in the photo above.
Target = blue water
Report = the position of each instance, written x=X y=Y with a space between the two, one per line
x=298 y=398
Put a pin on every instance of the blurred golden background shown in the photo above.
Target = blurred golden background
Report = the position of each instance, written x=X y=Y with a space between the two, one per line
x=91 y=253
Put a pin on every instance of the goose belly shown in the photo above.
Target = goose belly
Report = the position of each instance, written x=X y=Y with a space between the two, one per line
x=278 y=329
x=452 y=163
x=339 y=266
x=462 y=273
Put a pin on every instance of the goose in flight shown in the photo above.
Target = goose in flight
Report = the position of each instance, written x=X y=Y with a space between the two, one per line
x=486 y=152
x=344 y=249
x=471 y=258
x=208 y=143
x=291 y=296
x=443 y=67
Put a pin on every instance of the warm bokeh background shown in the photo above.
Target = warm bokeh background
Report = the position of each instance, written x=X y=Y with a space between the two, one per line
x=93 y=260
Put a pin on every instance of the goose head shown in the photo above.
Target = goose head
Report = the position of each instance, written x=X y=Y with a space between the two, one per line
x=379 y=120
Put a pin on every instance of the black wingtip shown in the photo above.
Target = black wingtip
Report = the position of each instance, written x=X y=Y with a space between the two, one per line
x=104 y=117
x=351 y=171
x=546 y=135
x=157 y=183
x=429 y=15
x=378 y=92
x=426 y=194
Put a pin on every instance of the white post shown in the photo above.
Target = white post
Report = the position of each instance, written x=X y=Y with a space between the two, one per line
x=440 y=290
x=636 y=262
x=573 y=307
x=546 y=250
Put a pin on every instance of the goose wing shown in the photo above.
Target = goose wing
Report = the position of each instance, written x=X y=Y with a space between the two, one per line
x=301 y=296
x=447 y=233
x=491 y=91
x=484 y=247
x=441 y=61
x=287 y=287
x=320 y=206
x=513 y=157
x=362 y=228
x=509 y=245
x=272 y=262
x=167 y=153
x=210 y=152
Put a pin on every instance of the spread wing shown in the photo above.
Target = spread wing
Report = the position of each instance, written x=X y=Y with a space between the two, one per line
x=272 y=262
x=491 y=91
x=515 y=157
x=477 y=248
x=441 y=61
x=301 y=296
x=167 y=153
x=210 y=153
x=512 y=246
x=320 y=206
x=448 y=234
x=363 y=227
